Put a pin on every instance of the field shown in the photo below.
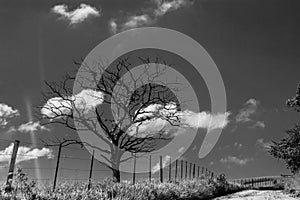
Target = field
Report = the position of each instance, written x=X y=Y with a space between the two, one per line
x=200 y=188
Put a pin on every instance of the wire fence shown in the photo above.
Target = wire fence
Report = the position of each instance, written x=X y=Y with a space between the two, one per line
x=67 y=165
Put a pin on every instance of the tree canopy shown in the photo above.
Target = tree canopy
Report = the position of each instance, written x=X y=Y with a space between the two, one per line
x=288 y=148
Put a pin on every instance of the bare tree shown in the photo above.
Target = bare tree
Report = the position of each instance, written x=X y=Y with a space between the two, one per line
x=135 y=100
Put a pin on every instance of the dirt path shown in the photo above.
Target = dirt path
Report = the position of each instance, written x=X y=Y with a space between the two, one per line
x=257 y=195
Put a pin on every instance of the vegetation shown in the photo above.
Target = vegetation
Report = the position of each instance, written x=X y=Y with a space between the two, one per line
x=288 y=148
x=201 y=188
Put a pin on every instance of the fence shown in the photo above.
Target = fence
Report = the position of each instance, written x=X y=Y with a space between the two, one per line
x=87 y=168
x=266 y=181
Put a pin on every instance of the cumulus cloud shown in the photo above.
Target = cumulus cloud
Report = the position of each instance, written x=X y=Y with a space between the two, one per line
x=113 y=26
x=166 y=6
x=262 y=145
x=245 y=114
x=84 y=101
x=76 y=16
x=24 y=154
x=136 y=21
x=165 y=117
x=259 y=124
x=204 y=119
x=165 y=162
x=235 y=160
x=181 y=149
x=238 y=145
x=250 y=107
x=7 y=113
x=149 y=17
x=31 y=126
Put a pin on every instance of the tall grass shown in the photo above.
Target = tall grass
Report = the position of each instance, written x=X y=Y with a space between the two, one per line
x=201 y=188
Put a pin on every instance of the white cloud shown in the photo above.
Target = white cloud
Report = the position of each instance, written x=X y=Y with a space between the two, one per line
x=250 y=107
x=160 y=116
x=32 y=127
x=261 y=144
x=204 y=119
x=78 y=15
x=181 y=149
x=165 y=162
x=136 y=21
x=166 y=6
x=24 y=153
x=7 y=113
x=235 y=160
x=238 y=145
x=149 y=17
x=113 y=26
x=84 y=101
x=259 y=124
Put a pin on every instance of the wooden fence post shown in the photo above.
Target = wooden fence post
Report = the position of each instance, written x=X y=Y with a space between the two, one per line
x=57 y=166
x=190 y=175
x=186 y=169
x=150 y=168
x=194 y=166
x=161 y=169
x=12 y=165
x=198 y=171
x=91 y=170
x=176 y=162
x=134 y=165
x=170 y=169
x=181 y=170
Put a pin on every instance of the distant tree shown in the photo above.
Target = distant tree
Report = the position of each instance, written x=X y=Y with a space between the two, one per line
x=288 y=148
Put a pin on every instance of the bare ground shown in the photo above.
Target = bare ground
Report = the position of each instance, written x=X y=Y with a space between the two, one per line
x=258 y=195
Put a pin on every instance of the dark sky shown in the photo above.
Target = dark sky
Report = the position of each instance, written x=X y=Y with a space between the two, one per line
x=255 y=45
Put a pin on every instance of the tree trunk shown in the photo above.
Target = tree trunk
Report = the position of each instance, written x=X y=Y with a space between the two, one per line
x=116 y=174
x=115 y=163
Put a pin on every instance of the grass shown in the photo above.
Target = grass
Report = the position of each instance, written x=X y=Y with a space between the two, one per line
x=201 y=188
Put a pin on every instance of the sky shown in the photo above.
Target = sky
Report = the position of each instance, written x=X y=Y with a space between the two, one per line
x=254 y=44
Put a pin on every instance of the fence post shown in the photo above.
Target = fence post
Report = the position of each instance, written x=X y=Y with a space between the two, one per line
x=205 y=172
x=170 y=169
x=12 y=165
x=181 y=170
x=91 y=170
x=150 y=168
x=134 y=169
x=190 y=175
x=198 y=171
x=176 y=162
x=161 y=169
x=212 y=175
x=57 y=165
x=202 y=171
x=186 y=170
x=194 y=166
